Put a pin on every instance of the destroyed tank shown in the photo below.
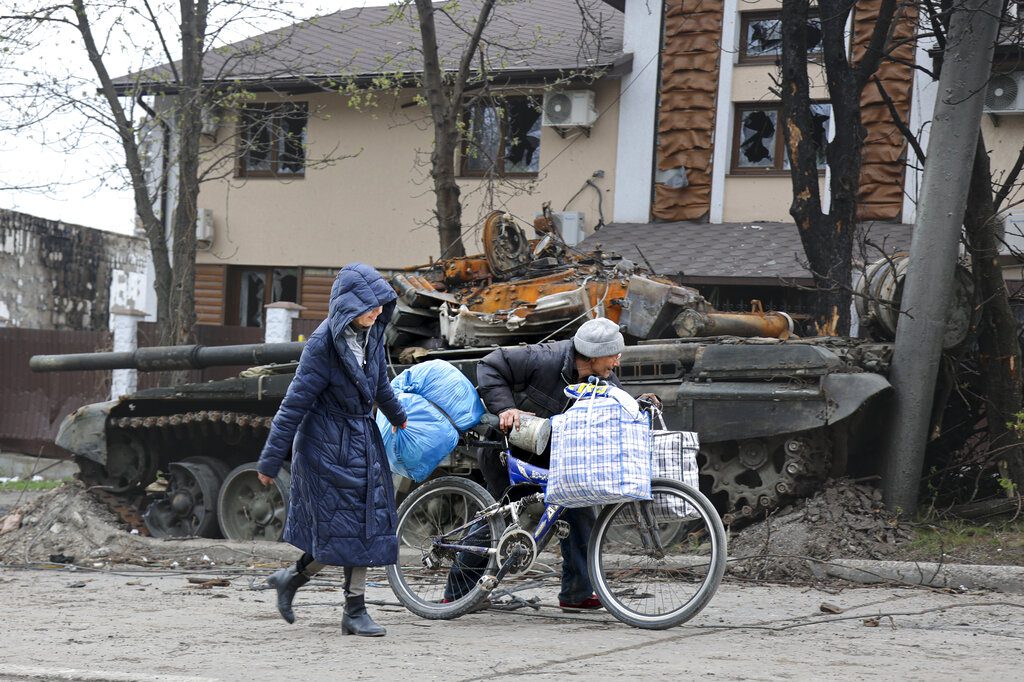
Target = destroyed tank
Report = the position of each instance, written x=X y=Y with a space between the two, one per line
x=775 y=414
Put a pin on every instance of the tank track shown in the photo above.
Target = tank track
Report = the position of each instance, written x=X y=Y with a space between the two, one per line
x=128 y=506
x=183 y=421
x=759 y=475
x=124 y=506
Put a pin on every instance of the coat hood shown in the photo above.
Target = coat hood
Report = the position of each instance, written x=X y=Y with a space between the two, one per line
x=358 y=288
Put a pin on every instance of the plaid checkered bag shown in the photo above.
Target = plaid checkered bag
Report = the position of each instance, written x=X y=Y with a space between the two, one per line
x=600 y=451
x=674 y=455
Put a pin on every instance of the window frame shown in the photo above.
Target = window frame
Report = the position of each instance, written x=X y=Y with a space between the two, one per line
x=233 y=290
x=243 y=139
x=747 y=17
x=464 y=143
x=780 y=141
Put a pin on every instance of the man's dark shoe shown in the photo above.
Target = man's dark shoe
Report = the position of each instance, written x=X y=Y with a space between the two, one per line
x=287 y=581
x=591 y=603
x=356 y=621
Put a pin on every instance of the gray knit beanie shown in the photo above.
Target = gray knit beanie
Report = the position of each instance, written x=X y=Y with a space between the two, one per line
x=597 y=338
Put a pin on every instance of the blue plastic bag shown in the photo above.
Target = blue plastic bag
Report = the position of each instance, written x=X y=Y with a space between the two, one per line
x=416 y=450
x=444 y=385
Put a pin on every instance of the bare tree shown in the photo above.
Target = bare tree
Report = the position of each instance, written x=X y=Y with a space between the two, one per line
x=175 y=39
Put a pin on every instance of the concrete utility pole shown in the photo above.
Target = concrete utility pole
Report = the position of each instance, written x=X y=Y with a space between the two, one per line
x=966 y=64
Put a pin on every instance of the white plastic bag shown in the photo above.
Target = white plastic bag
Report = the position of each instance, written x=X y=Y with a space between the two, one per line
x=600 y=449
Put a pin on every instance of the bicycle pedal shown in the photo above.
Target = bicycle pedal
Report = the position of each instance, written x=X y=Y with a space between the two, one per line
x=561 y=529
x=487 y=583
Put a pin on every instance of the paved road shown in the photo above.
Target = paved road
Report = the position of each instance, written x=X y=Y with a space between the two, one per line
x=148 y=626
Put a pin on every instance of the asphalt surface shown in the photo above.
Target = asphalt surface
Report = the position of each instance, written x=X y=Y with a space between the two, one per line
x=144 y=625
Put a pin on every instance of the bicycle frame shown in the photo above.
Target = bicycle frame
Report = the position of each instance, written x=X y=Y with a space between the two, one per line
x=519 y=472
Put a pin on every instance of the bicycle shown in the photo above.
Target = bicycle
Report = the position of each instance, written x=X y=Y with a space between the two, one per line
x=457 y=544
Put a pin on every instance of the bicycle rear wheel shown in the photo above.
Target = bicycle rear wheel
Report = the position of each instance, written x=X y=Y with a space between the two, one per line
x=650 y=588
x=430 y=578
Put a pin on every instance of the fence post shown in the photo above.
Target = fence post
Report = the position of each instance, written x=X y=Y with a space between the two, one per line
x=124 y=323
x=279 y=321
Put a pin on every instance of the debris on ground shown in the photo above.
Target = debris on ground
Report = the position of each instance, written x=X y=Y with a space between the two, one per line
x=845 y=520
x=69 y=525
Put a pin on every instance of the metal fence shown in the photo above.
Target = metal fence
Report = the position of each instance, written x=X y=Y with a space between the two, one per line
x=33 y=404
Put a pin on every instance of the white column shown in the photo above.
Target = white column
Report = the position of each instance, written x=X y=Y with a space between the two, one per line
x=279 y=321
x=634 y=164
x=722 y=140
x=124 y=323
x=922 y=105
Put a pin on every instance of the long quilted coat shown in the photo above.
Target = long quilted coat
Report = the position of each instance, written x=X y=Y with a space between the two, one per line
x=342 y=508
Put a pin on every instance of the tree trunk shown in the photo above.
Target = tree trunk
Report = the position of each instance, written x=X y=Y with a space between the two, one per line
x=998 y=348
x=445 y=105
x=448 y=208
x=827 y=238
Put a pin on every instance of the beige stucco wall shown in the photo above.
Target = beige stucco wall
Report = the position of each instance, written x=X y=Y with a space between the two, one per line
x=751 y=198
x=369 y=201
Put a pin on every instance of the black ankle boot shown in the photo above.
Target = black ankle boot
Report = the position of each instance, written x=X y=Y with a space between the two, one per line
x=287 y=581
x=356 y=621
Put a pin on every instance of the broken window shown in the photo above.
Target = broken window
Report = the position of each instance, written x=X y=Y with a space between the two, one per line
x=761 y=36
x=502 y=137
x=759 y=143
x=250 y=289
x=272 y=140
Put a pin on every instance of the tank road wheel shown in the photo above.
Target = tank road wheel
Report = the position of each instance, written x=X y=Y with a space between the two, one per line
x=248 y=510
x=190 y=506
x=757 y=474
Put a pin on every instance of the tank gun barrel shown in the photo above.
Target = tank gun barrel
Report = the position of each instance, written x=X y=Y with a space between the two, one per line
x=163 y=358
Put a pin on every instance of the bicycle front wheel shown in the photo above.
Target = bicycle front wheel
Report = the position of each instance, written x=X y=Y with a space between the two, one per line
x=656 y=564
x=432 y=578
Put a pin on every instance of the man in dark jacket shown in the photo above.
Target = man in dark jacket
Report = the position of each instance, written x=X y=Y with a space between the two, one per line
x=532 y=379
x=341 y=510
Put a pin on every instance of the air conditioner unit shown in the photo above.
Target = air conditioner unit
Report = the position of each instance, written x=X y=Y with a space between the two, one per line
x=569 y=108
x=1012 y=243
x=204 y=228
x=210 y=121
x=1004 y=93
x=568 y=224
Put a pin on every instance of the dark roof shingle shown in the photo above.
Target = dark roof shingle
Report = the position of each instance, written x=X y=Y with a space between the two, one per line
x=764 y=252
x=525 y=36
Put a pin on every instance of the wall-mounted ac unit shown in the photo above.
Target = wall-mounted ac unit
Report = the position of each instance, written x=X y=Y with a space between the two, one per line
x=204 y=228
x=1012 y=243
x=1004 y=93
x=568 y=224
x=569 y=108
x=210 y=121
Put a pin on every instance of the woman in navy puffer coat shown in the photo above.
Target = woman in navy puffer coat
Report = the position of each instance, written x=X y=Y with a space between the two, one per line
x=342 y=506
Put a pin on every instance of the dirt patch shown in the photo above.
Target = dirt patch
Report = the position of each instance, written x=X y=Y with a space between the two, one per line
x=69 y=525
x=845 y=520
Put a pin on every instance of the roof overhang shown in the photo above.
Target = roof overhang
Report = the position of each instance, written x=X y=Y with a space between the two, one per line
x=304 y=84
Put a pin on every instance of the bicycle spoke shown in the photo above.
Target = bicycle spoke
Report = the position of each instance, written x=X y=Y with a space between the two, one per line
x=661 y=575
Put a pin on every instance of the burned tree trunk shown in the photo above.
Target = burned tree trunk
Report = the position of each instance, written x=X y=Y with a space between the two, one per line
x=827 y=237
x=998 y=347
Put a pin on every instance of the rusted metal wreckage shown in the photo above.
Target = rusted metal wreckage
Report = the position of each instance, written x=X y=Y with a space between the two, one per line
x=523 y=289
x=776 y=414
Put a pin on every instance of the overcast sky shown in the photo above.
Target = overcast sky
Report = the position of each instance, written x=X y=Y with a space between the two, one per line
x=78 y=195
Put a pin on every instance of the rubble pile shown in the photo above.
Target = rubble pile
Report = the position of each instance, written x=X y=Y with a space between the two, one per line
x=63 y=523
x=68 y=525
x=845 y=520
